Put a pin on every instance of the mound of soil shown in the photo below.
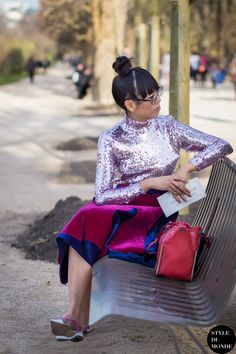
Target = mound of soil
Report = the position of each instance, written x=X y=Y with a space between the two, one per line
x=38 y=240
x=86 y=143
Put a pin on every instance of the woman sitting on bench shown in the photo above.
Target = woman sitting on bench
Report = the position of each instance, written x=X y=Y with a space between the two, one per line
x=136 y=162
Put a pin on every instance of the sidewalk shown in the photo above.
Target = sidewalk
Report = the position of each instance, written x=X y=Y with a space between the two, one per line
x=33 y=120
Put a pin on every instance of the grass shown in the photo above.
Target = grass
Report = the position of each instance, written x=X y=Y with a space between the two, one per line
x=9 y=78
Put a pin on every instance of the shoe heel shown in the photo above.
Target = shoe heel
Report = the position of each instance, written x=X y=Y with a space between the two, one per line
x=88 y=329
x=61 y=329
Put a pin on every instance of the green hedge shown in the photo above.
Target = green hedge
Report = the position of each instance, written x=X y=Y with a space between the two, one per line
x=6 y=78
x=14 y=61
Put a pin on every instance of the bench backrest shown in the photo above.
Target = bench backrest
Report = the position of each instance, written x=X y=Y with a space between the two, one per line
x=217 y=216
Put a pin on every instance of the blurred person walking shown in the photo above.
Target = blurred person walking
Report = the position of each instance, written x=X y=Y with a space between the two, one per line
x=77 y=77
x=30 y=68
x=45 y=65
x=218 y=74
x=86 y=77
x=194 y=65
x=232 y=71
x=202 y=69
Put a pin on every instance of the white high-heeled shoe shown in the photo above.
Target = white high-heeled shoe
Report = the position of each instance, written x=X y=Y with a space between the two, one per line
x=66 y=329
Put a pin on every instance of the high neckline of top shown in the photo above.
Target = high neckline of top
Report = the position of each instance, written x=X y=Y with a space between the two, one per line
x=137 y=124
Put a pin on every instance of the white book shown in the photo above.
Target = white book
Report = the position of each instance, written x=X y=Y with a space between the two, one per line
x=169 y=205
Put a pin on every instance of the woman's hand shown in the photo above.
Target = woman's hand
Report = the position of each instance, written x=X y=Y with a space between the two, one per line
x=173 y=184
x=183 y=173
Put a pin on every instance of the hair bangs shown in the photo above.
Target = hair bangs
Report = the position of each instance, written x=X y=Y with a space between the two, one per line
x=145 y=82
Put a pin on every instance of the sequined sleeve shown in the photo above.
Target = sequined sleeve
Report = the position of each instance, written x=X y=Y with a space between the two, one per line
x=105 y=176
x=208 y=148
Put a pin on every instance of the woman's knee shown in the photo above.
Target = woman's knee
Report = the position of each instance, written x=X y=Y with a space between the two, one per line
x=76 y=260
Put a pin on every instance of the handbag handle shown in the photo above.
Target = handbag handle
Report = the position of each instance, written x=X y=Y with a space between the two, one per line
x=150 y=245
x=165 y=227
x=162 y=229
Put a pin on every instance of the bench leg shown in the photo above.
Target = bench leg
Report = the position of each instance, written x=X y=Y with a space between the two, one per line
x=190 y=333
x=175 y=339
x=197 y=342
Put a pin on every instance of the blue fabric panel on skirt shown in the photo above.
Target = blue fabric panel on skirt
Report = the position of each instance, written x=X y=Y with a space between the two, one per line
x=147 y=260
x=119 y=217
x=86 y=249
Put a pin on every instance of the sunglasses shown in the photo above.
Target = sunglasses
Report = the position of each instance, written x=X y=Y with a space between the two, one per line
x=153 y=99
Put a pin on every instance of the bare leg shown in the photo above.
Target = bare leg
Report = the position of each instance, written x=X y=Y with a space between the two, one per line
x=79 y=287
x=86 y=305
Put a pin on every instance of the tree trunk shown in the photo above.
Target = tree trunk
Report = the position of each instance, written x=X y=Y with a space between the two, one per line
x=137 y=23
x=184 y=52
x=179 y=101
x=155 y=46
x=104 y=50
x=219 y=28
x=174 y=85
x=143 y=45
x=119 y=11
x=154 y=13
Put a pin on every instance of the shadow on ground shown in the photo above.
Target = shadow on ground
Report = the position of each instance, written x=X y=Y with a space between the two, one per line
x=86 y=143
x=77 y=172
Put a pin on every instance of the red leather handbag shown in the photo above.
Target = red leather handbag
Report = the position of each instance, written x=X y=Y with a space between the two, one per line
x=178 y=244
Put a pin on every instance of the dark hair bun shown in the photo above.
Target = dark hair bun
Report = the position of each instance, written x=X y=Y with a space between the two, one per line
x=122 y=65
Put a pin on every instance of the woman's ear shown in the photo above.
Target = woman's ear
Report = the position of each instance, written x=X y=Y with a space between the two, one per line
x=130 y=105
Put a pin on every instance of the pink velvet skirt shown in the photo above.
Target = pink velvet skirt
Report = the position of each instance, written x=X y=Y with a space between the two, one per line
x=122 y=231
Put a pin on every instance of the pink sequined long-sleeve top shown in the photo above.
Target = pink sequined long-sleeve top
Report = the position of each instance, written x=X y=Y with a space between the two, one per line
x=132 y=151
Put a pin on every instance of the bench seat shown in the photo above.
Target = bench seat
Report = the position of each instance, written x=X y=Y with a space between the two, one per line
x=123 y=288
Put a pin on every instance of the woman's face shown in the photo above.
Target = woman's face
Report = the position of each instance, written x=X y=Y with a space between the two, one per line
x=145 y=108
